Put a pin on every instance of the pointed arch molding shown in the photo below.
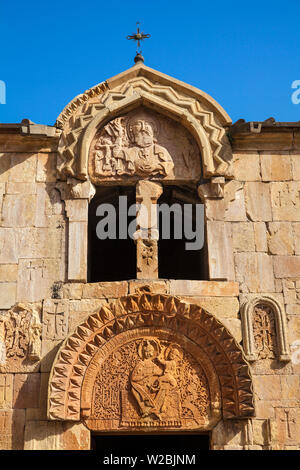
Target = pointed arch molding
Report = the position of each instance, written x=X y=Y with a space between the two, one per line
x=65 y=397
x=247 y=313
x=200 y=114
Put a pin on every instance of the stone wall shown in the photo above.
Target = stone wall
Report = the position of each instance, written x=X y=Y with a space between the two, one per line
x=254 y=249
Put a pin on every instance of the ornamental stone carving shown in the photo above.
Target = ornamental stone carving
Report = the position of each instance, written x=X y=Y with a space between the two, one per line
x=150 y=361
x=21 y=332
x=264 y=329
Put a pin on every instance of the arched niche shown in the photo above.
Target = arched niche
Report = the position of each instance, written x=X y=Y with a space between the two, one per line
x=206 y=379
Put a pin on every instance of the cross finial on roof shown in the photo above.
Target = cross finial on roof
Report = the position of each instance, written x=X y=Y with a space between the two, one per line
x=138 y=36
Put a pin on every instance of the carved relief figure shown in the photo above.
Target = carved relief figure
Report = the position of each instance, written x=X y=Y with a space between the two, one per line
x=129 y=147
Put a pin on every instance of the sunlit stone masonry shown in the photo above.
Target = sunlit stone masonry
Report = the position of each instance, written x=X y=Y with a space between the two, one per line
x=152 y=333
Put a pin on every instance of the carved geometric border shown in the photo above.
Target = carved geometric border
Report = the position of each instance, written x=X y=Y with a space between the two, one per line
x=142 y=310
x=211 y=137
x=247 y=310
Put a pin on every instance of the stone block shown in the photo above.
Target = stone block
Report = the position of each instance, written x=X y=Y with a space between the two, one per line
x=49 y=351
x=204 y=288
x=12 y=424
x=18 y=210
x=295 y=159
x=267 y=387
x=20 y=188
x=155 y=287
x=46 y=167
x=7 y=294
x=280 y=238
x=293 y=326
x=276 y=167
x=77 y=210
x=296 y=234
x=242 y=236
x=221 y=307
x=258 y=202
x=288 y=425
x=55 y=319
x=75 y=436
x=285 y=199
x=290 y=387
x=291 y=291
x=286 y=266
x=260 y=236
x=246 y=166
x=72 y=291
x=234 y=202
x=5 y=160
x=43 y=435
x=255 y=272
x=220 y=253
x=100 y=290
x=23 y=167
x=6 y=391
x=40 y=413
x=26 y=390
x=8 y=246
x=40 y=242
x=77 y=251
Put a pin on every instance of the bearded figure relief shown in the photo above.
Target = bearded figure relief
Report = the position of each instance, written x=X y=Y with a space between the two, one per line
x=129 y=147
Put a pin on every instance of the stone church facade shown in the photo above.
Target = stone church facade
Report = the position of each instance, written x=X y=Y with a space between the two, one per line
x=140 y=336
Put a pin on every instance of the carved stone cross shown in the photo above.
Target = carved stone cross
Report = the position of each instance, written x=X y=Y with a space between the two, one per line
x=288 y=420
x=55 y=319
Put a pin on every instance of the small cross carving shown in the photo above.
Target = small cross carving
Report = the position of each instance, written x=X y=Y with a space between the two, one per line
x=4 y=387
x=59 y=323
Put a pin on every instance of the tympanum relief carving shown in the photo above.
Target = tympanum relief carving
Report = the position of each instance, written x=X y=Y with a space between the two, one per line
x=143 y=144
x=149 y=383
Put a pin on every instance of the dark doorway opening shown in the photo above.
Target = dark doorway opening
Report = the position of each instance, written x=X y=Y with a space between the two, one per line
x=175 y=261
x=111 y=259
x=142 y=445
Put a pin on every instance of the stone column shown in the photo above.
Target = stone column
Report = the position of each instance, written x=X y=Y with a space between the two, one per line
x=146 y=236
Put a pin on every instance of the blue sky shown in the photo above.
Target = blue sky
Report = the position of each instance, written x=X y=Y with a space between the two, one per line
x=245 y=54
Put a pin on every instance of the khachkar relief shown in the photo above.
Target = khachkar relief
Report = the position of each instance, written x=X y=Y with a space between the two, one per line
x=20 y=334
x=143 y=144
x=150 y=383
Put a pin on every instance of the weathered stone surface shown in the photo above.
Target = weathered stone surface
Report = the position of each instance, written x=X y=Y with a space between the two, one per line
x=21 y=188
x=46 y=167
x=204 y=288
x=221 y=307
x=26 y=390
x=276 y=167
x=290 y=387
x=288 y=421
x=291 y=291
x=246 y=166
x=77 y=251
x=18 y=210
x=220 y=253
x=42 y=435
x=75 y=437
x=12 y=425
x=295 y=159
x=5 y=159
x=40 y=413
x=234 y=202
x=286 y=266
x=285 y=199
x=152 y=286
x=77 y=210
x=242 y=236
x=280 y=238
x=8 y=272
x=255 y=272
x=40 y=242
x=296 y=233
x=7 y=294
x=36 y=278
x=73 y=291
x=260 y=236
x=266 y=387
x=258 y=202
x=55 y=319
x=6 y=391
